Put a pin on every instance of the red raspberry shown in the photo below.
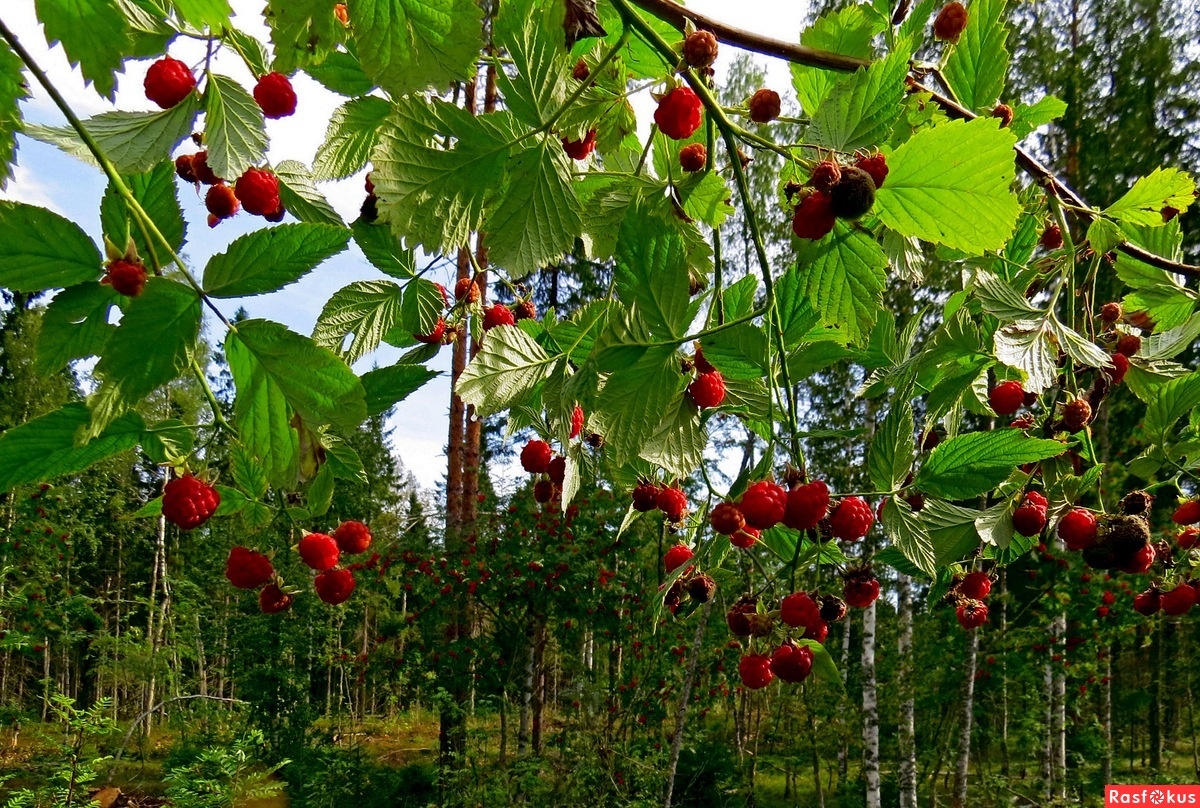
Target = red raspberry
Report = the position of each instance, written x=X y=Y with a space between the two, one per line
x=1005 y=113
x=792 y=663
x=200 y=169
x=645 y=497
x=755 y=671
x=701 y=588
x=1076 y=414
x=814 y=218
x=833 y=608
x=817 y=630
x=524 y=310
x=799 y=609
x=1006 y=397
x=826 y=174
x=707 y=390
x=1148 y=602
x=557 y=470
x=577 y=421
x=693 y=157
x=861 y=592
x=726 y=519
x=678 y=113
x=1029 y=519
x=580 y=149
x=1178 y=600
x=535 y=457
x=763 y=504
x=497 y=315
x=1128 y=344
x=876 y=166
x=673 y=503
x=852 y=519
x=764 y=106
x=701 y=364
x=1188 y=538
x=466 y=289
x=700 y=49
x=676 y=557
x=738 y=616
x=1187 y=514
x=275 y=95
x=806 y=505
x=950 y=22
x=169 y=81
x=1110 y=313
x=1052 y=237
x=273 y=600
x=221 y=202
x=1141 y=561
x=580 y=72
x=745 y=538
x=1078 y=529
x=1120 y=367
x=334 y=586
x=1037 y=499
x=976 y=586
x=188 y=502
x=247 y=569
x=543 y=491
x=127 y=277
x=435 y=336
x=319 y=551
x=972 y=614
x=184 y=169
x=258 y=191
x=352 y=537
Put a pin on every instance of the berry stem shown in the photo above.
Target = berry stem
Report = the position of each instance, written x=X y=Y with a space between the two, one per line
x=215 y=405
x=144 y=220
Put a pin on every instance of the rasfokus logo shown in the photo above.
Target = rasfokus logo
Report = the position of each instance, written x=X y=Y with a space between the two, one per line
x=1151 y=795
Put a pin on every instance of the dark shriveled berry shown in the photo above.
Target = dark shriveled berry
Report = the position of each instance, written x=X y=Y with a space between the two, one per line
x=853 y=195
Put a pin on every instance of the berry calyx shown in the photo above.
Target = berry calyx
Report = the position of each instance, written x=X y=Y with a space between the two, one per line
x=188 y=502
x=852 y=519
x=764 y=105
x=275 y=96
x=876 y=166
x=319 y=551
x=673 y=503
x=792 y=663
x=700 y=49
x=1187 y=514
x=334 y=586
x=645 y=497
x=814 y=217
x=676 y=557
x=580 y=149
x=806 y=505
x=248 y=569
x=755 y=671
x=1076 y=415
x=707 y=390
x=763 y=504
x=678 y=113
x=971 y=614
x=273 y=600
x=1078 y=529
x=221 y=202
x=127 y=277
x=976 y=585
x=861 y=591
x=352 y=537
x=726 y=518
x=1006 y=397
x=497 y=315
x=854 y=194
x=950 y=22
x=693 y=157
x=168 y=81
x=535 y=456
x=258 y=191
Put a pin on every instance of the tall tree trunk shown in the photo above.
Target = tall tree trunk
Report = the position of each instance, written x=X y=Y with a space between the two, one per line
x=1048 y=718
x=685 y=695
x=1005 y=762
x=870 y=708
x=1156 y=693
x=907 y=726
x=843 y=759
x=966 y=716
x=1060 y=708
x=539 y=687
x=1107 y=717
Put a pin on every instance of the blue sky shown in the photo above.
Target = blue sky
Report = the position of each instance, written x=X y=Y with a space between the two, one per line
x=45 y=176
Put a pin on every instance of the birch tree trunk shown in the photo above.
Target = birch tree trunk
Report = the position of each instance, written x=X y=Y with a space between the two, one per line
x=967 y=714
x=870 y=710
x=907 y=726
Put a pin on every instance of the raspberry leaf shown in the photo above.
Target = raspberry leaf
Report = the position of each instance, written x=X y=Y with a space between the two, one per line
x=366 y=309
x=1159 y=293
x=634 y=399
x=848 y=32
x=823 y=666
x=412 y=45
x=1025 y=345
x=12 y=90
x=155 y=192
x=422 y=306
x=341 y=72
x=977 y=65
x=952 y=185
x=539 y=86
x=300 y=196
x=235 y=133
x=385 y=252
x=93 y=34
x=200 y=13
x=386 y=387
x=1143 y=203
x=909 y=535
x=75 y=325
x=652 y=275
x=304 y=32
x=972 y=464
x=844 y=278
x=863 y=107
x=269 y=259
x=46 y=447
x=1028 y=118
x=891 y=452
x=1170 y=402
x=508 y=368
x=951 y=528
x=352 y=134
x=41 y=250
x=248 y=473
x=678 y=443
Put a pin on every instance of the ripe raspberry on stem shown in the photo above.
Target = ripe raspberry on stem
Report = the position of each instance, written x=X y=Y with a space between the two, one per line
x=334 y=586
x=168 y=81
x=745 y=537
x=352 y=537
x=273 y=600
x=707 y=390
x=852 y=519
x=826 y=174
x=1029 y=519
x=814 y=218
x=860 y=590
x=700 y=49
x=535 y=456
x=204 y=174
x=497 y=315
x=275 y=96
x=1120 y=367
x=876 y=166
x=319 y=551
x=248 y=569
x=258 y=191
x=806 y=505
x=1188 y=513
x=435 y=335
x=1078 y=529
x=792 y=663
x=1052 y=237
x=678 y=113
x=577 y=421
x=524 y=310
x=693 y=157
x=557 y=470
x=976 y=585
x=1179 y=600
x=951 y=21
x=189 y=502
x=763 y=504
x=676 y=557
x=765 y=106
x=1076 y=414
x=1006 y=397
x=755 y=671
x=184 y=169
x=221 y=202
x=673 y=503
x=1188 y=538
x=726 y=518
x=1148 y=602
x=127 y=277
x=645 y=497
x=971 y=614
x=799 y=609
x=1128 y=344
x=580 y=149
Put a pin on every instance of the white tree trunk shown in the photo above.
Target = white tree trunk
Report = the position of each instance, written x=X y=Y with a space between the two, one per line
x=870 y=710
x=967 y=705
x=907 y=726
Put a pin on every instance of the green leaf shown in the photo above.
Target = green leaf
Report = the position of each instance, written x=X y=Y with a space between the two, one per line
x=12 y=90
x=166 y=316
x=267 y=260
x=352 y=134
x=1002 y=301
x=304 y=32
x=366 y=309
x=200 y=13
x=42 y=250
x=739 y=352
x=1025 y=345
x=342 y=73
x=738 y=299
x=1104 y=234
x=75 y=325
x=863 y=107
x=388 y=386
x=1171 y=401
x=383 y=250
x=951 y=529
x=823 y=666
x=539 y=216
x=1162 y=188
x=248 y=473
x=705 y=197
x=422 y=306
x=235 y=133
x=891 y=454
x=1028 y=118
x=92 y=33
x=508 y=368
x=168 y=441
x=972 y=464
x=1083 y=352
x=320 y=492
x=848 y=32
x=633 y=401
x=678 y=444
x=539 y=87
x=253 y=52
x=300 y=196
x=652 y=275
x=844 y=276
x=952 y=185
x=909 y=535
x=1155 y=291
x=316 y=383
x=155 y=192
x=133 y=141
x=977 y=65
x=412 y=45
x=262 y=416
x=45 y=447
